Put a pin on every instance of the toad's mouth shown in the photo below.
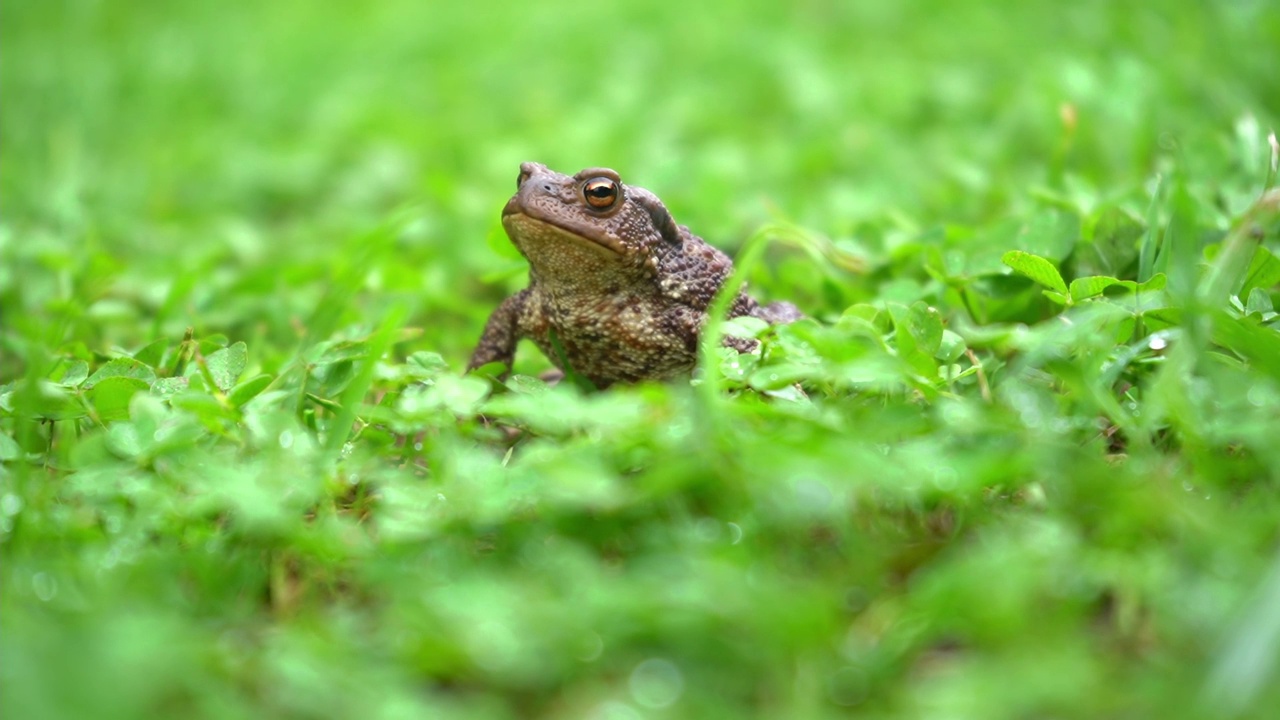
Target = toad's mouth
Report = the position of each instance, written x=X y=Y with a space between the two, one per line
x=535 y=235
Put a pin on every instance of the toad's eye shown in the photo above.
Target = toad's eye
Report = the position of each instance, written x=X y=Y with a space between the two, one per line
x=600 y=193
x=524 y=175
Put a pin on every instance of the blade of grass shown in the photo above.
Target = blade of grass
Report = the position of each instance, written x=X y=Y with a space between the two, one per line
x=1151 y=238
x=1248 y=659
x=709 y=387
x=1229 y=268
x=340 y=427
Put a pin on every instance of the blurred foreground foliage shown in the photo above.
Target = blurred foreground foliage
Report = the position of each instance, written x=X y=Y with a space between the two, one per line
x=1022 y=463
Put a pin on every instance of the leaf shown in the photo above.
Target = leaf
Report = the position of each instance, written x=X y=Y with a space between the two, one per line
x=1259 y=302
x=1037 y=268
x=206 y=407
x=1258 y=344
x=213 y=343
x=226 y=365
x=122 y=439
x=165 y=387
x=1051 y=234
x=110 y=397
x=910 y=346
x=737 y=367
x=1089 y=287
x=460 y=395
x=123 y=368
x=153 y=353
x=333 y=379
x=432 y=362
x=1162 y=318
x=1092 y=286
x=1114 y=247
x=1263 y=272
x=75 y=374
x=925 y=325
x=492 y=370
x=951 y=347
x=330 y=354
x=9 y=448
x=745 y=327
x=249 y=389
x=195 y=381
x=1156 y=282
x=49 y=400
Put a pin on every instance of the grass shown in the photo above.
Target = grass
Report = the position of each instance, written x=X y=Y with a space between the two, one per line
x=246 y=250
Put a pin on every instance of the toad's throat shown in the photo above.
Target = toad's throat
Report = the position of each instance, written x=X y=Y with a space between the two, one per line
x=535 y=236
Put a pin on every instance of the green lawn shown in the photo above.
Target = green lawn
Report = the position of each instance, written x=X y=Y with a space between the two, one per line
x=1034 y=472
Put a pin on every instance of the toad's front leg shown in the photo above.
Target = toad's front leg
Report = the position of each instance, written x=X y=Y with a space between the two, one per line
x=501 y=333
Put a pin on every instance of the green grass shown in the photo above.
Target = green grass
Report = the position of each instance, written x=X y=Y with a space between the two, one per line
x=246 y=248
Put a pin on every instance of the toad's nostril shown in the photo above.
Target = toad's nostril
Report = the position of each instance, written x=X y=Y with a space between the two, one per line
x=547 y=187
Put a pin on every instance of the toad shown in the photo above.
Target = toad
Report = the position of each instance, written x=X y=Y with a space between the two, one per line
x=618 y=292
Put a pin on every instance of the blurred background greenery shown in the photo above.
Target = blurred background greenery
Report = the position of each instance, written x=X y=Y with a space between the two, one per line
x=238 y=150
x=284 y=172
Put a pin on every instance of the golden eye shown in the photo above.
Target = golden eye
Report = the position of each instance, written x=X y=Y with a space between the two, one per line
x=600 y=193
x=524 y=175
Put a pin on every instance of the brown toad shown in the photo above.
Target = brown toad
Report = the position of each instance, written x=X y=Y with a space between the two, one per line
x=622 y=287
